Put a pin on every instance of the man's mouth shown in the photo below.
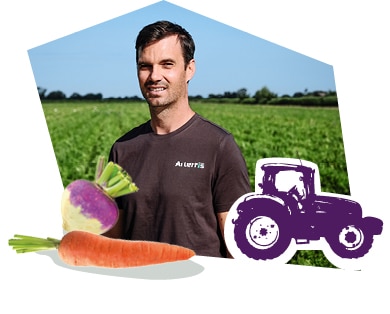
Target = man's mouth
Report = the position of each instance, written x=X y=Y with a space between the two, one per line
x=156 y=89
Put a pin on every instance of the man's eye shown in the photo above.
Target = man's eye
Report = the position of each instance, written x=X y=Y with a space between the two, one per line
x=168 y=64
x=143 y=66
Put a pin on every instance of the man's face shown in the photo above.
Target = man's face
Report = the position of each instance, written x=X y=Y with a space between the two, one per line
x=162 y=75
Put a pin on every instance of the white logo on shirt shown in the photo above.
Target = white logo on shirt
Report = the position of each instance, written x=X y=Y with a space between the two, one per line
x=185 y=164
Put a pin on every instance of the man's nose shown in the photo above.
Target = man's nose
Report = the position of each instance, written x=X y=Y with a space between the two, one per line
x=155 y=74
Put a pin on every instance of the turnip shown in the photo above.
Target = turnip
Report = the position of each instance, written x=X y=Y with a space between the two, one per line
x=90 y=205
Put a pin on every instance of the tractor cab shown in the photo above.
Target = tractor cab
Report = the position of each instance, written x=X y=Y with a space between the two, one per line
x=290 y=182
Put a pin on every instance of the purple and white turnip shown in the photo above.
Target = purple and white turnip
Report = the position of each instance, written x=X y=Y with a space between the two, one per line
x=90 y=205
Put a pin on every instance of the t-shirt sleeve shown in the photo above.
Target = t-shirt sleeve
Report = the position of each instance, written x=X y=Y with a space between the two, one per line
x=231 y=175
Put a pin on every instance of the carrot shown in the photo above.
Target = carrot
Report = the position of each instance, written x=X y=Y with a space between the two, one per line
x=83 y=248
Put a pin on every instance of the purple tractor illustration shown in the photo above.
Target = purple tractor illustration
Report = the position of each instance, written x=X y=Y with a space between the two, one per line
x=288 y=205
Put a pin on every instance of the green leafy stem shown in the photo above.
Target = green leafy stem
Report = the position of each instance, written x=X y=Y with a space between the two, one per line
x=25 y=244
x=113 y=179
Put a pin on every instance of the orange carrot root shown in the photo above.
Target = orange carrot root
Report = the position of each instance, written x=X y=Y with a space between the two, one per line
x=80 y=248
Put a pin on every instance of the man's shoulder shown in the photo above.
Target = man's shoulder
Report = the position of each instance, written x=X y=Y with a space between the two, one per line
x=143 y=128
x=210 y=126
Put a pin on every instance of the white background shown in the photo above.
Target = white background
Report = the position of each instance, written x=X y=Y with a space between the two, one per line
x=351 y=36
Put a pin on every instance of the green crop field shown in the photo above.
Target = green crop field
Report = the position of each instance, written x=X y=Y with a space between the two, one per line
x=81 y=131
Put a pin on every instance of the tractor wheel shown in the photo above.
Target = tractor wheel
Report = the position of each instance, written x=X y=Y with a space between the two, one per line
x=350 y=241
x=261 y=231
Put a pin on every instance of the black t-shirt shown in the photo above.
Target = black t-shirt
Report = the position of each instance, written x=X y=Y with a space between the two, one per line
x=184 y=179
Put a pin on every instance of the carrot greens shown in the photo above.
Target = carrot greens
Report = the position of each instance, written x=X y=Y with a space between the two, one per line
x=25 y=244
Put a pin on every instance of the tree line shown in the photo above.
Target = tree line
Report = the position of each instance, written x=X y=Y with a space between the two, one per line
x=262 y=96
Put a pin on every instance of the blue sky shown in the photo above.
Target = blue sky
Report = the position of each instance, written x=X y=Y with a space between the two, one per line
x=101 y=59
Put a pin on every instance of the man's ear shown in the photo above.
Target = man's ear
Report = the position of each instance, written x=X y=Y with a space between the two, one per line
x=190 y=70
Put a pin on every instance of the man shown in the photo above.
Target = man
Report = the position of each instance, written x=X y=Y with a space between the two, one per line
x=189 y=171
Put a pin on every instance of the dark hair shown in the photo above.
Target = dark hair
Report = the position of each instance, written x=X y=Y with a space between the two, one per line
x=161 y=29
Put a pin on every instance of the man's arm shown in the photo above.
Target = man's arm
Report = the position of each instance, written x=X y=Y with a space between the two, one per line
x=221 y=220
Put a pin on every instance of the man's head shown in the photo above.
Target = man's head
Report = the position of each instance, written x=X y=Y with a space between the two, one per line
x=165 y=64
x=162 y=29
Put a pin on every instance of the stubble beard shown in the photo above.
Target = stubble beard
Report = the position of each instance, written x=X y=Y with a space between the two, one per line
x=160 y=104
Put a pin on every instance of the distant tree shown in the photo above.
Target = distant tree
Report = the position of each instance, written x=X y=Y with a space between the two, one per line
x=215 y=96
x=242 y=94
x=197 y=97
x=41 y=92
x=229 y=95
x=135 y=98
x=91 y=96
x=75 y=96
x=263 y=95
x=298 y=95
x=56 y=95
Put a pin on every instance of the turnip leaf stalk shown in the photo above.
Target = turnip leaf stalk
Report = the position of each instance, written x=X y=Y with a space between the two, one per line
x=114 y=180
x=90 y=205
x=100 y=167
